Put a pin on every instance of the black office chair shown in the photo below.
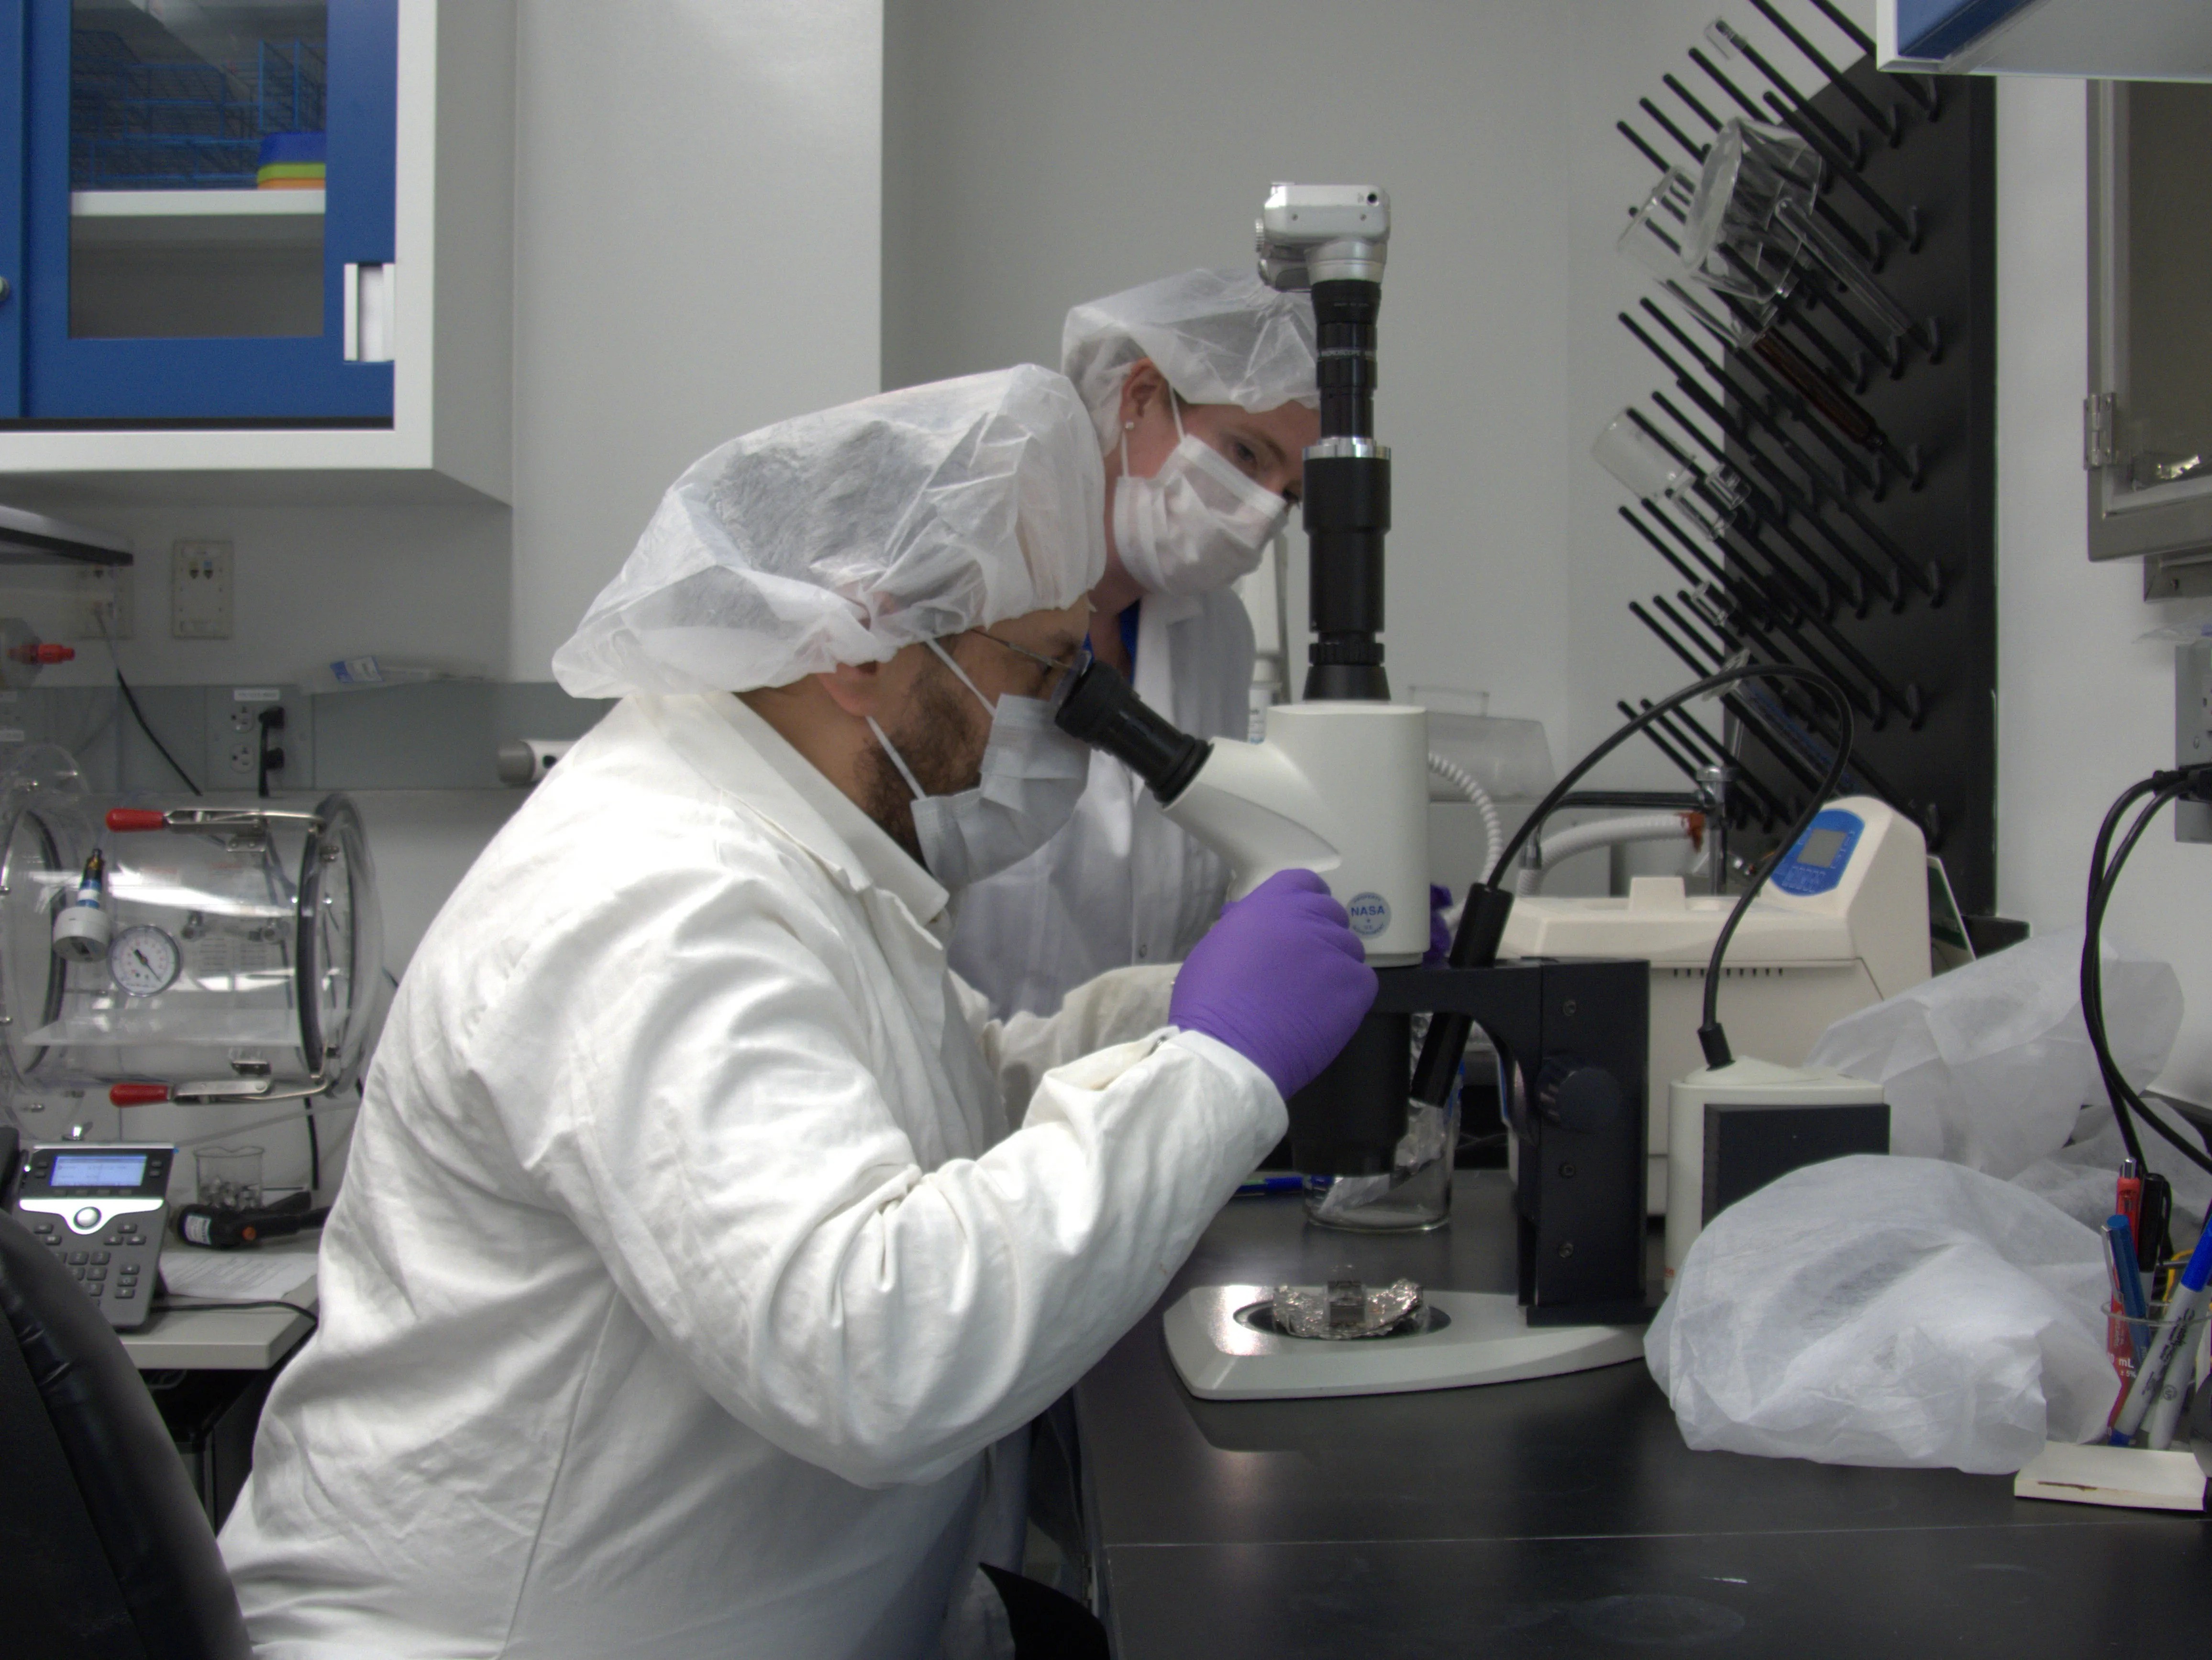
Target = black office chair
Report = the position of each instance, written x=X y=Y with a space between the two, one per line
x=109 y=1554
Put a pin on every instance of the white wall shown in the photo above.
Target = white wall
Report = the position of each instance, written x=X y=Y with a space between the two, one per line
x=698 y=247
x=2084 y=707
x=1039 y=156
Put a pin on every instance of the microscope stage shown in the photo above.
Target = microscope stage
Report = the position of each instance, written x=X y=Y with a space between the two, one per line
x=1484 y=1339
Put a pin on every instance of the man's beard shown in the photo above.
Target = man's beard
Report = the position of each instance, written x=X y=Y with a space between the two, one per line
x=937 y=739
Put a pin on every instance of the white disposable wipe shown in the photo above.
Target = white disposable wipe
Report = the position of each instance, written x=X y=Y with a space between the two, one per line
x=1889 y=1311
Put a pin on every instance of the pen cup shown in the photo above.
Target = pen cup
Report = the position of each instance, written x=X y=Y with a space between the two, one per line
x=2140 y=1341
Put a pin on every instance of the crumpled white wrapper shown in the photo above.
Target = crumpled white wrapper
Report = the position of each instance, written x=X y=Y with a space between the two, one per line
x=1989 y=1066
x=1888 y=1311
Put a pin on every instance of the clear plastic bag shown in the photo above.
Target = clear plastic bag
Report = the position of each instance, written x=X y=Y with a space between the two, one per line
x=1888 y=1311
x=1989 y=1065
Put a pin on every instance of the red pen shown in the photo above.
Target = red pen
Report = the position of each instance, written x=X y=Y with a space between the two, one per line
x=2128 y=1203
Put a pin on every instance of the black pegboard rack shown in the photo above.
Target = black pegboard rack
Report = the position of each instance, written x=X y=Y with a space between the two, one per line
x=1869 y=555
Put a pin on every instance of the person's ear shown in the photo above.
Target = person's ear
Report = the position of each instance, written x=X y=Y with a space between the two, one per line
x=858 y=688
x=1142 y=389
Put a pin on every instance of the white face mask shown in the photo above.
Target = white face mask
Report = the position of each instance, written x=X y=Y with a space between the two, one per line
x=1033 y=776
x=1195 y=525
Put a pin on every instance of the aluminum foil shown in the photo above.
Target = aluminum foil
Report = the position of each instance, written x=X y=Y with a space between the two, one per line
x=1344 y=1309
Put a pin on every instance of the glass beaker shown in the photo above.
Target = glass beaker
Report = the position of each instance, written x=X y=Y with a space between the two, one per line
x=1644 y=468
x=1415 y=1195
x=229 y=1178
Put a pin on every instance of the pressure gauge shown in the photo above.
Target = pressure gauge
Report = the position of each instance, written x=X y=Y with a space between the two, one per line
x=143 y=960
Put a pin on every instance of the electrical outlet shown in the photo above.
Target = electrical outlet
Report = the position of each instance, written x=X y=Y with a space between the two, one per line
x=103 y=595
x=199 y=591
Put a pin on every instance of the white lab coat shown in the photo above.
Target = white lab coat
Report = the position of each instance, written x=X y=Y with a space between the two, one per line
x=685 y=1267
x=1119 y=884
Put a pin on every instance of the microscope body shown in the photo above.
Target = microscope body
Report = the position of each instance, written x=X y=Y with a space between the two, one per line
x=1337 y=788
x=1572 y=1042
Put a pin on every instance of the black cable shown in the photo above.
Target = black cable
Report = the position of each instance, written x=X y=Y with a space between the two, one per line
x=2161 y=787
x=1483 y=919
x=2092 y=970
x=139 y=715
x=314 y=1154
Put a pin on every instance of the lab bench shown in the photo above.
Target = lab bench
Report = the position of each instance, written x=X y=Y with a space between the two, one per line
x=1563 y=1517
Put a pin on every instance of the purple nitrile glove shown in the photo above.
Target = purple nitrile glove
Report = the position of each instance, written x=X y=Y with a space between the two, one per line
x=1439 y=933
x=1281 y=979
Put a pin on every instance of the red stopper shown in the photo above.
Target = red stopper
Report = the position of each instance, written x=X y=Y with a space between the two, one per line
x=137 y=1095
x=136 y=818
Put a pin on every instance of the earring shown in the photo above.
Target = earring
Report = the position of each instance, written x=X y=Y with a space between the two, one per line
x=1128 y=426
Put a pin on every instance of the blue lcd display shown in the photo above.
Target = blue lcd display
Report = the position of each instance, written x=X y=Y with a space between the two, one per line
x=98 y=1170
x=1822 y=855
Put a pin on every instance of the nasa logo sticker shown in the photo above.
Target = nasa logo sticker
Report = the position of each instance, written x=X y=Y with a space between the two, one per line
x=1371 y=914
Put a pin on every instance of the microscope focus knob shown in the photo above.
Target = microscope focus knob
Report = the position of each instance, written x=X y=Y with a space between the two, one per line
x=1582 y=1099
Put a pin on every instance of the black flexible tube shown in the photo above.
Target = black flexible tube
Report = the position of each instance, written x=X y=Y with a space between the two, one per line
x=2127 y=1103
x=1469 y=949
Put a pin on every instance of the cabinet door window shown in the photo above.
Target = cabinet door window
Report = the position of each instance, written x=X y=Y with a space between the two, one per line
x=2149 y=417
x=199 y=156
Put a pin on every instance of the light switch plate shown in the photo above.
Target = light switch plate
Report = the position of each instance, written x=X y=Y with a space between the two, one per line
x=199 y=591
x=104 y=592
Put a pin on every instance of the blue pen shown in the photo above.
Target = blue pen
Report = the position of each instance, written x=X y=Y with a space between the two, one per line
x=1260 y=1185
x=2150 y=1376
x=2128 y=1279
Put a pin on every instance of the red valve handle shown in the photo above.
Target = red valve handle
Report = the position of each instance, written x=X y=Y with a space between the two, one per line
x=136 y=818
x=137 y=1095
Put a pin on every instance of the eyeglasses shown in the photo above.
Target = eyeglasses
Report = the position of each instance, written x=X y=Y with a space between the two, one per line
x=1065 y=672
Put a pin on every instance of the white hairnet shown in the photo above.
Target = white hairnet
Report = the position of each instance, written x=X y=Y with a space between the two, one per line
x=1220 y=337
x=843 y=535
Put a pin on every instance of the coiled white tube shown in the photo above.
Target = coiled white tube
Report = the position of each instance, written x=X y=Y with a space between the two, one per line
x=1601 y=833
x=1464 y=781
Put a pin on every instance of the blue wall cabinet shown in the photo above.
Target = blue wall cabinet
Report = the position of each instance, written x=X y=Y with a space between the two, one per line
x=258 y=237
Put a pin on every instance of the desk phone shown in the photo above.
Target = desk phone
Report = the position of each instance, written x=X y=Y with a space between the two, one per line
x=100 y=1207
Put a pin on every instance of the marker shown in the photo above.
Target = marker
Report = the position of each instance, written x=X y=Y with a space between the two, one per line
x=2127 y=1280
x=1259 y=1186
x=2166 y=1411
x=2128 y=1197
x=2180 y=1327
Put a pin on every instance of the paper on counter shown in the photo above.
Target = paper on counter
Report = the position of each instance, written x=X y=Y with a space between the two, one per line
x=239 y=1277
x=2128 y=1477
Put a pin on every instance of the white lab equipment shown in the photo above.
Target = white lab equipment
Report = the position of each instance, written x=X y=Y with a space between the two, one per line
x=246 y=959
x=1339 y=785
x=1843 y=924
x=1730 y=1127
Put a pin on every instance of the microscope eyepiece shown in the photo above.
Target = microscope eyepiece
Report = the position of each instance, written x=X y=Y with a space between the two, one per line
x=1103 y=710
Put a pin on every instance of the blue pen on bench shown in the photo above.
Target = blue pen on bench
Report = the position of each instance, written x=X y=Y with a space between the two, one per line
x=2178 y=1330
x=2127 y=1278
x=1260 y=1185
